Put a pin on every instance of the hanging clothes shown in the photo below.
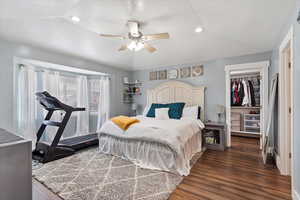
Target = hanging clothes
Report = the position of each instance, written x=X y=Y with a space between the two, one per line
x=251 y=88
x=246 y=96
x=243 y=92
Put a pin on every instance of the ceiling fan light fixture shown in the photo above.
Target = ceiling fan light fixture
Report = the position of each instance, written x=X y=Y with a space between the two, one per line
x=75 y=19
x=199 y=29
x=135 y=46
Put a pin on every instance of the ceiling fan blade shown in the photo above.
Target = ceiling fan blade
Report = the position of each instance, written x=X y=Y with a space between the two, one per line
x=157 y=36
x=113 y=36
x=150 y=48
x=123 y=48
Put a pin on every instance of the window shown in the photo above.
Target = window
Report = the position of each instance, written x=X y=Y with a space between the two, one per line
x=69 y=89
x=94 y=86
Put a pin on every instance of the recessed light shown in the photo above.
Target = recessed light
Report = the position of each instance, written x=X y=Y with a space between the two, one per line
x=75 y=19
x=199 y=29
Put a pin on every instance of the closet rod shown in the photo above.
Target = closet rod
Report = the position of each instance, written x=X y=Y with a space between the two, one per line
x=245 y=76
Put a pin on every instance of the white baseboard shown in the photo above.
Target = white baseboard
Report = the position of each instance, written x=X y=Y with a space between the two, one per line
x=296 y=195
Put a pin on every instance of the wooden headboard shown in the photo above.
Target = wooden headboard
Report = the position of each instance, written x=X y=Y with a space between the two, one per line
x=176 y=91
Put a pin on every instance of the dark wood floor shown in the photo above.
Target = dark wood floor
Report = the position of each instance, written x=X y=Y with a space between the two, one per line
x=237 y=173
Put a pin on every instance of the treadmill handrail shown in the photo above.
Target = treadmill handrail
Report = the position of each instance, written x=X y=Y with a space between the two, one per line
x=52 y=103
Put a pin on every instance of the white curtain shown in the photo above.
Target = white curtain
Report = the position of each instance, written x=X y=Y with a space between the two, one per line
x=82 y=124
x=51 y=84
x=104 y=102
x=27 y=105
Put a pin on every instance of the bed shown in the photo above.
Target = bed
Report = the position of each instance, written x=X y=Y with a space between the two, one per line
x=166 y=145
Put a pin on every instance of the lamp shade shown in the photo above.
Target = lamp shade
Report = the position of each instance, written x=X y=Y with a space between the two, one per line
x=220 y=109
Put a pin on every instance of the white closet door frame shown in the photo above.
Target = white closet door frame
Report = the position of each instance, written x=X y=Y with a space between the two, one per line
x=262 y=68
x=286 y=140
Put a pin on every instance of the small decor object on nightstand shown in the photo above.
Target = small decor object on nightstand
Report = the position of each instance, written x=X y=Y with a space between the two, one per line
x=214 y=136
x=197 y=70
x=220 y=111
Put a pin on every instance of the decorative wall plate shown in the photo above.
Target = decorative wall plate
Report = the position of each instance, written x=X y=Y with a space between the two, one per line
x=172 y=74
x=197 y=70
x=185 y=72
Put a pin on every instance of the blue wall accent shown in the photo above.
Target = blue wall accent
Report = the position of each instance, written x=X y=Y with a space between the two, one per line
x=9 y=49
x=292 y=21
x=213 y=79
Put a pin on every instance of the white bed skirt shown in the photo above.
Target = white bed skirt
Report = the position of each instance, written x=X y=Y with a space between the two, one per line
x=152 y=155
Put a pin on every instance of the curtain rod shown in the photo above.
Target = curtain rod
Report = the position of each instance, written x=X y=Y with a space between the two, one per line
x=42 y=70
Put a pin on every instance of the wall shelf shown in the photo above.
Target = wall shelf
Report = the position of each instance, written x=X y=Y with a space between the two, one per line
x=131 y=89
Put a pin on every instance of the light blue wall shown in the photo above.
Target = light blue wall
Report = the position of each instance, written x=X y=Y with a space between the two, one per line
x=275 y=69
x=7 y=52
x=213 y=79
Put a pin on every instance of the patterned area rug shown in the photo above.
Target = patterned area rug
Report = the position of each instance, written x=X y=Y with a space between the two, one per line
x=89 y=175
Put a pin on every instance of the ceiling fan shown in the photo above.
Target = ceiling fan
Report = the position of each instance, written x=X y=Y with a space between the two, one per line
x=137 y=39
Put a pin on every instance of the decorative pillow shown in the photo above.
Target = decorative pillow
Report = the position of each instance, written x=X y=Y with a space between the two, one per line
x=151 y=112
x=192 y=112
x=175 y=109
x=162 y=113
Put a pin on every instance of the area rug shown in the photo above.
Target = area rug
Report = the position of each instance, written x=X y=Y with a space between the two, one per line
x=89 y=175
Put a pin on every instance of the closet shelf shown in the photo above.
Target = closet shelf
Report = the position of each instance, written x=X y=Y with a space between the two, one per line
x=251 y=120
x=245 y=107
x=245 y=132
x=252 y=127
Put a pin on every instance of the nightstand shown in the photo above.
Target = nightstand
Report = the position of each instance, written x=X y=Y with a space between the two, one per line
x=214 y=136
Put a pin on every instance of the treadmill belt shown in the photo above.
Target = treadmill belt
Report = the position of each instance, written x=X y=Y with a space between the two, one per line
x=80 y=142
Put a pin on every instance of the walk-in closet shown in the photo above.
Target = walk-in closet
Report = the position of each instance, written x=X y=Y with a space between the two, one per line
x=245 y=104
x=247 y=100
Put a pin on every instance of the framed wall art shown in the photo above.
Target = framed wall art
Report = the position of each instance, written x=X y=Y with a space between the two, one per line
x=153 y=76
x=162 y=75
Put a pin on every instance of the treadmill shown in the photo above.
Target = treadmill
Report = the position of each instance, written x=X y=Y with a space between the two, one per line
x=45 y=152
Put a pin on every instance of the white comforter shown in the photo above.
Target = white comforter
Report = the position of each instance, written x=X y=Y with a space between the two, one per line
x=173 y=133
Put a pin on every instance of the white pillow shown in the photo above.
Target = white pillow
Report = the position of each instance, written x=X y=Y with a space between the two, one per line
x=190 y=112
x=162 y=113
x=147 y=107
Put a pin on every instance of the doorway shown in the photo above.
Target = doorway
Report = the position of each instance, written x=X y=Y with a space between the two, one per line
x=249 y=118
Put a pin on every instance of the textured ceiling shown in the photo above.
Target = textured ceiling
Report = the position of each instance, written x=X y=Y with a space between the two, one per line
x=231 y=28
